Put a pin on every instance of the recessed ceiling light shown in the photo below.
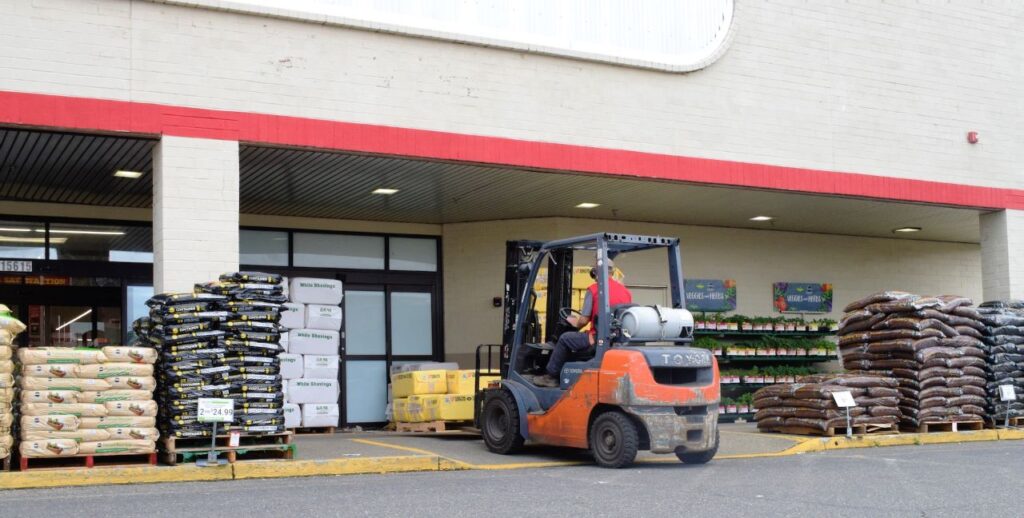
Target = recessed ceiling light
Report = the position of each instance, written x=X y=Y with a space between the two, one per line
x=15 y=230
x=88 y=232
x=761 y=218
x=907 y=229
x=128 y=174
x=588 y=205
x=385 y=191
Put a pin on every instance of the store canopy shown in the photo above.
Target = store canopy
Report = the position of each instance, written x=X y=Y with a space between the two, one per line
x=57 y=167
x=320 y=184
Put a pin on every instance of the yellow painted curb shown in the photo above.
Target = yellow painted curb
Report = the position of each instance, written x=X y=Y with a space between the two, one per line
x=112 y=475
x=346 y=466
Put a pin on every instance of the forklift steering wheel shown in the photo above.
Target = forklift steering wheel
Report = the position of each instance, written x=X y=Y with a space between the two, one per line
x=565 y=313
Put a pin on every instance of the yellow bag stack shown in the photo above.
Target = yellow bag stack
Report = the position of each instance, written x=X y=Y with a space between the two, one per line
x=405 y=384
x=10 y=328
x=87 y=401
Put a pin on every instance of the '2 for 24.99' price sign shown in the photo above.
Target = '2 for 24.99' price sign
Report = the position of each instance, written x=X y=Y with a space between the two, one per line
x=213 y=410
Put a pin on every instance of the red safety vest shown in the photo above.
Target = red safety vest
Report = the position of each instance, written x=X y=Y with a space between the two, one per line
x=617 y=294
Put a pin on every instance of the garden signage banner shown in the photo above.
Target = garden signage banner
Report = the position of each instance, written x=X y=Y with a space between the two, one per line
x=802 y=297
x=710 y=294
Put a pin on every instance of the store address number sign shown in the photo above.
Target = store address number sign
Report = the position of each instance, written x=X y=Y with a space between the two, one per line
x=16 y=266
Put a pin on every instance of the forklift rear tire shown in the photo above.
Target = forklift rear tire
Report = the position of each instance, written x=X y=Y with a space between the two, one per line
x=614 y=440
x=702 y=457
x=500 y=423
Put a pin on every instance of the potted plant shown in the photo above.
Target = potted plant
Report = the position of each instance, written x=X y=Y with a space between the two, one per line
x=826 y=325
x=730 y=406
x=745 y=323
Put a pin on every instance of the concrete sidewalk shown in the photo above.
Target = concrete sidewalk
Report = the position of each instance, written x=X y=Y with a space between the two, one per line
x=389 y=452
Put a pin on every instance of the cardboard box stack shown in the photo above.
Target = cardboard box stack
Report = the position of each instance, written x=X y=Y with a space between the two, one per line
x=429 y=392
x=222 y=341
x=311 y=364
x=10 y=328
x=86 y=401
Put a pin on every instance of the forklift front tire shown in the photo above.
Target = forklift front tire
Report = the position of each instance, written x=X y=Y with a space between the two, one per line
x=614 y=440
x=500 y=423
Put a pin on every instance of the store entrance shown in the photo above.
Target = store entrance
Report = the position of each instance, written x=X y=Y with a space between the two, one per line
x=73 y=316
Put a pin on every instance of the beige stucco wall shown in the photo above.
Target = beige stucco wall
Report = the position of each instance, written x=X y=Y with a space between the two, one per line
x=474 y=267
x=887 y=88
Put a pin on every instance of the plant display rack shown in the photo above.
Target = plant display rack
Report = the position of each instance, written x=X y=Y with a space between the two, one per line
x=757 y=352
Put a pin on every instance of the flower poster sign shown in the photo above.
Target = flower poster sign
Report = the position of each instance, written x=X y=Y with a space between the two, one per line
x=711 y=295
x=802 y=297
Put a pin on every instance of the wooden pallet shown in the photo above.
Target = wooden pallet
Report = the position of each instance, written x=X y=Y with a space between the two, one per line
x=950 y=426
x=314 y=430
x=175 y=450
x=87 y=461
x=833 y=431
x=998 y=422
x=433 y=426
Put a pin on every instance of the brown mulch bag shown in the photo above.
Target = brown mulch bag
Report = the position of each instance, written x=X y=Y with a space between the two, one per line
x=881 y=336
x=862 y=356
x=770 y=402
x=770 y=423
x=944 y=412
x=955 y=363
x=903 y=305
x=948 y=353
x=963 y=381
x=808 y=413
x=863 y=325
x=883 y=392
x=852 y=380
x=916 y=324
x=962 y=341
x=969 y=331
x=956 y=321
x=804 y=391
x=874 y=298
x=909 y=411
x=967 y=312
x=951 y=302
x=854 y=316
x=880 y=411
x=877 y=401
x=909 y=393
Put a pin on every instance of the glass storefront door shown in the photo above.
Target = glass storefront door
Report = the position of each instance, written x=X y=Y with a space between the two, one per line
x=384 y=325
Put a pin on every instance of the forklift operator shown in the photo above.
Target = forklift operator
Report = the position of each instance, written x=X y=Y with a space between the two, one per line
x=573 y=342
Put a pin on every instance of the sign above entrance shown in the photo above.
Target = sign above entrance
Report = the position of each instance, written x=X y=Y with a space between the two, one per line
x=710 y=294
x=15 y=266
x=802 y=297
x=673 y=36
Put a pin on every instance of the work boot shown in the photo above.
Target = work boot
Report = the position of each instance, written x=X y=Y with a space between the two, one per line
x=545 y=381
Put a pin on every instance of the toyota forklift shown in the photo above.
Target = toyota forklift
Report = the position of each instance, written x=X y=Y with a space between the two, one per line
x=638 y=387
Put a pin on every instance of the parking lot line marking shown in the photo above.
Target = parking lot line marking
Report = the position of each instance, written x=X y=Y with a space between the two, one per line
x=396 y=447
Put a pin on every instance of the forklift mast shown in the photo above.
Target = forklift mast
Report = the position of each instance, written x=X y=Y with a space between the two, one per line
x=519 y=257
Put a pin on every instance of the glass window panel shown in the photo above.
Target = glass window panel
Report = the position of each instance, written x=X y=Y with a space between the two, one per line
x=411 y=323
x=407 y=253
x=137 y=297
x=66 y=325
x=101 y=243
x=22 y=240
x=108 y=327
x=364 y=322
x=366 y=391
x=263 y=247
x=339 y=251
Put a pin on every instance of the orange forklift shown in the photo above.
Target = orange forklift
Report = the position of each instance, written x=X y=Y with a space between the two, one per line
x=639 y=387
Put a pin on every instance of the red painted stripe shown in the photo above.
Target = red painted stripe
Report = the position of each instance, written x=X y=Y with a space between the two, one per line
x=154 y=119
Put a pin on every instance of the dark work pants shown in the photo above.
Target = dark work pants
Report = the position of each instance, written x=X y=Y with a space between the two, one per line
x=567 y=344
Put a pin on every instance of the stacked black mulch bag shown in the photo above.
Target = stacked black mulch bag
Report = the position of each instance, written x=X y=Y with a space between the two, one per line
x=1004 y=343
x=222 y=341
